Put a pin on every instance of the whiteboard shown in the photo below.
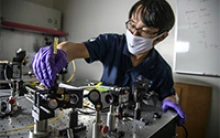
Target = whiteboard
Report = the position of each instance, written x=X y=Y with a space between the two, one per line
x=197 y=47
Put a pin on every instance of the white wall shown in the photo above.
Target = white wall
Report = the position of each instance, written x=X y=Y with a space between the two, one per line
x=11 y=40
x=88 y=18
x=45 y=3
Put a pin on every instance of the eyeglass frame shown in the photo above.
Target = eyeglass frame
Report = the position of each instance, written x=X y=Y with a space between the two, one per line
x=140 y=30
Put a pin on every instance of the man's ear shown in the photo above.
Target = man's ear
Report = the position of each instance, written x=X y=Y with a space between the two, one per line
x=161 y=38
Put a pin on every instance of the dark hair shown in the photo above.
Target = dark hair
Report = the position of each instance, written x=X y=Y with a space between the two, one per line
x=154 y=14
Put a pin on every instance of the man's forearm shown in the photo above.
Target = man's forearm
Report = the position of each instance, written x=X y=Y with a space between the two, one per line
x=74 y=50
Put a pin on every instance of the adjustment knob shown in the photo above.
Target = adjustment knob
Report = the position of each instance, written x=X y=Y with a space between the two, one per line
x=74 y=99
x=104 y=129
x=52 y=103
x=11 y=100
x=156 y=115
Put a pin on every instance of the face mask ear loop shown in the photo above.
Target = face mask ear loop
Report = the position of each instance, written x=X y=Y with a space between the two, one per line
x=157 y=38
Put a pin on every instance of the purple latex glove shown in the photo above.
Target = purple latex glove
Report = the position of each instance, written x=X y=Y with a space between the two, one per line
x=167 y=104
x=46 y=65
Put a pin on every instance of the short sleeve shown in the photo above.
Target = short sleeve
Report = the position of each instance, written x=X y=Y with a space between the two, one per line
x=98 y=47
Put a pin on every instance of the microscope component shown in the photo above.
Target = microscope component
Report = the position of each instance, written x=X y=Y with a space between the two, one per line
x=111 y=118
x=95 y=97
x=45 y=103
x=116 y=97
x=97 y=130
x=52 y=103
x=4 y=106
x=138 y=89
x=16 y=70
x=12 y=72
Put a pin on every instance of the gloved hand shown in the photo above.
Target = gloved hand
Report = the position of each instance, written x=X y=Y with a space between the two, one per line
x=46 y=65
x=167 y=104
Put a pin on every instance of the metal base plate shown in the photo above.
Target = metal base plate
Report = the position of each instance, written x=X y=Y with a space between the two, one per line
x=20 y=124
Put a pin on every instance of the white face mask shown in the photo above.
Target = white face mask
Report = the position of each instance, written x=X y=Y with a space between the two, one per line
x=137 y=44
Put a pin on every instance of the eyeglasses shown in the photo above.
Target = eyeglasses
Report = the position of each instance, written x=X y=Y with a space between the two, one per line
x=129 y=25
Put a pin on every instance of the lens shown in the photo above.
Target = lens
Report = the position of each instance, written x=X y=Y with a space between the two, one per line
x=74 y=99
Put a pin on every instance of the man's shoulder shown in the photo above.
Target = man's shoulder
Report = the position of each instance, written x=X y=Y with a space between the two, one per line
x=112 y=35
x=107 y=38
x=113 y=39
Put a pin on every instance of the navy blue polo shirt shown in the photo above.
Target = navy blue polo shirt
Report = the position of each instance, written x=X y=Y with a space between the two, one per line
x=111 y=50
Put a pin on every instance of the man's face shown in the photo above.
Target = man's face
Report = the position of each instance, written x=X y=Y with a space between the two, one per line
x=137 y=27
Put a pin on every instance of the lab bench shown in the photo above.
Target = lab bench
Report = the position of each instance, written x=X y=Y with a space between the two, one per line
x=21 y=123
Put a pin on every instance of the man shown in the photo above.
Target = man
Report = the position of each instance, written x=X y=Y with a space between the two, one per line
x=126 y=58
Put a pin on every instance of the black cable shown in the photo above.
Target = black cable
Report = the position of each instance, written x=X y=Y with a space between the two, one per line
x=5 y=96
x=186 y=132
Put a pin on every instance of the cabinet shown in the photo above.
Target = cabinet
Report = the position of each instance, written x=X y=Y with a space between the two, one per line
x=27 y=16
x=24 y=12
x=195 y=101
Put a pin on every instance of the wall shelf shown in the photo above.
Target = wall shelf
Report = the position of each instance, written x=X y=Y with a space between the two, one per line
x=13 y=25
